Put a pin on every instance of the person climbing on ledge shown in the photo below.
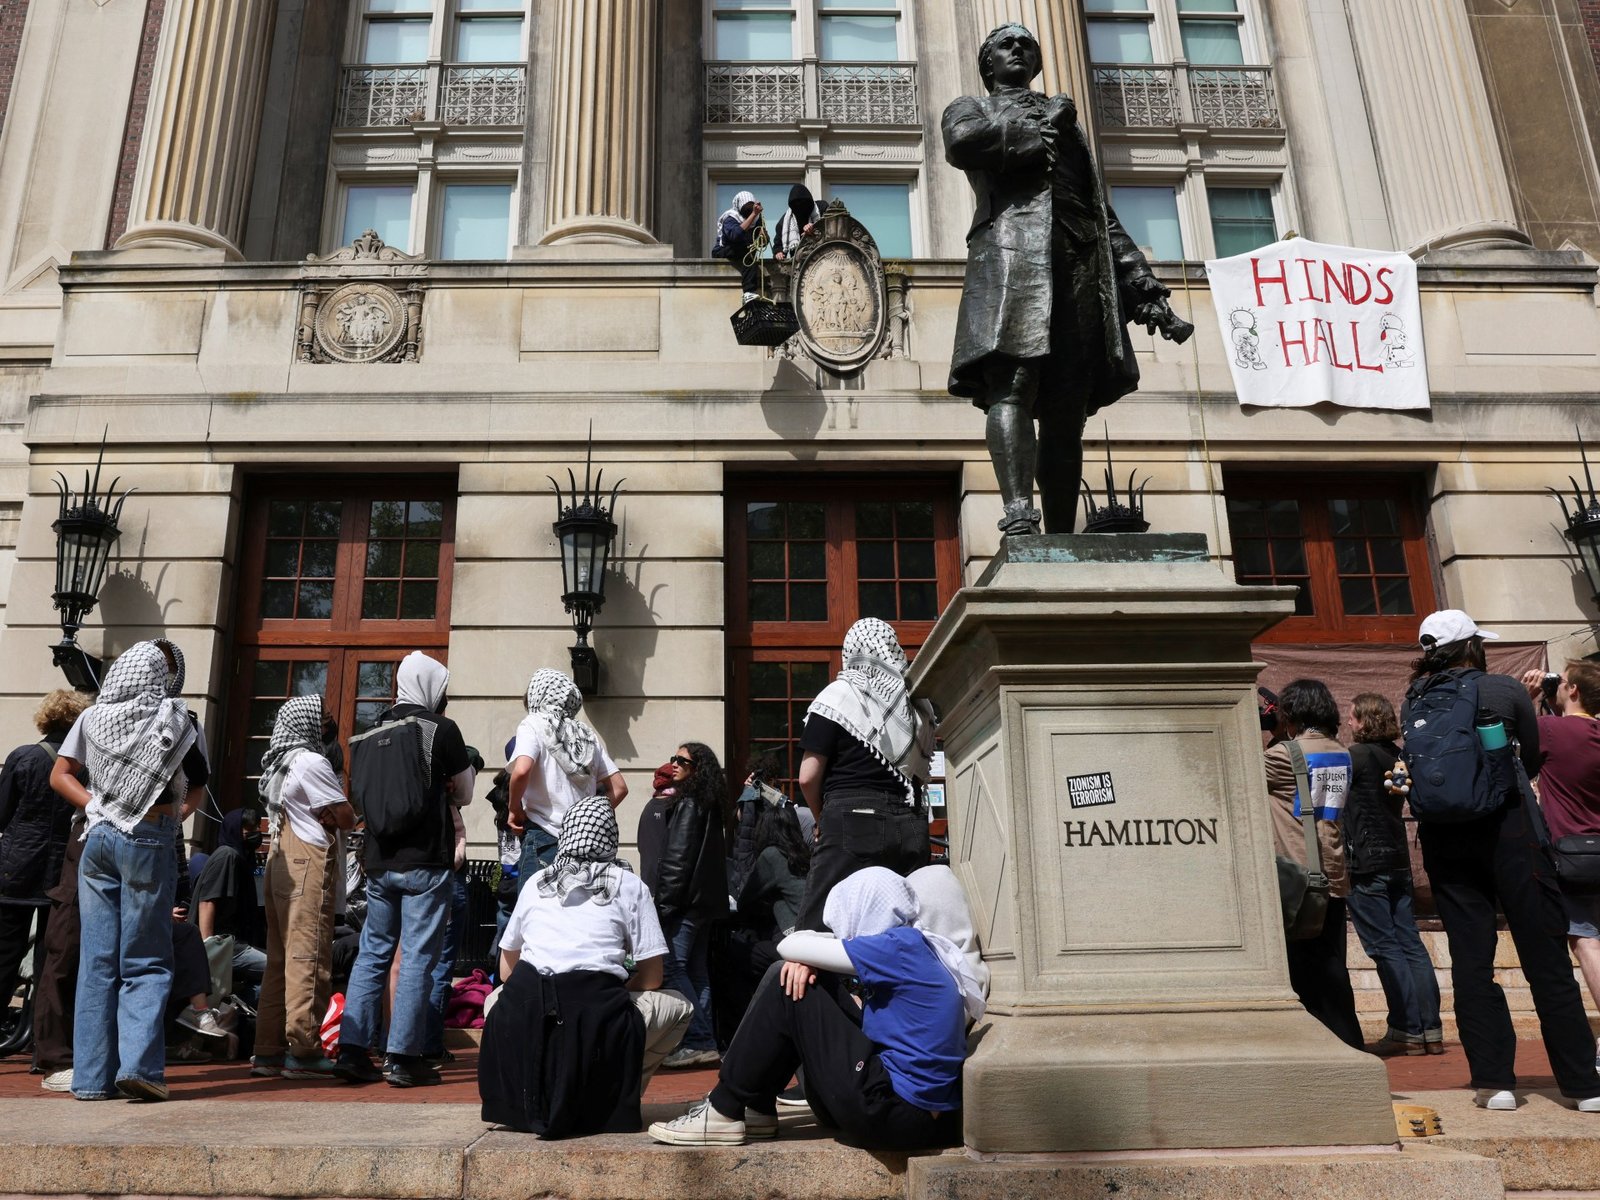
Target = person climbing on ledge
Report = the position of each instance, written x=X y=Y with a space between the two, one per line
x=736 y=241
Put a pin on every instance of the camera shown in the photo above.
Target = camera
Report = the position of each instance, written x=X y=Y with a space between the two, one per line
x=1550 y=683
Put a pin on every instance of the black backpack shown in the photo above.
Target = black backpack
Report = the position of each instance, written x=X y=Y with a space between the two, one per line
x=390 y=777
x=1453 y=778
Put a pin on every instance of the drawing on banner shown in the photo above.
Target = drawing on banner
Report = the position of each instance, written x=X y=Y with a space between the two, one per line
x=1307 y=323
x=1246 y=341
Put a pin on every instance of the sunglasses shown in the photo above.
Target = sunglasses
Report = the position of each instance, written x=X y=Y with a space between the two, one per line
x=679 y=760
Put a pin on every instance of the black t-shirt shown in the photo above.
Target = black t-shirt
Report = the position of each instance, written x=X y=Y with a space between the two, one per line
x=431 y=843
x=851 y=766
x=228 y=880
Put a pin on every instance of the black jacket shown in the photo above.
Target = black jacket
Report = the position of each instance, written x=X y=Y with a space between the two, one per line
x=1374 y=833
x=34 y=823
x=683 y=859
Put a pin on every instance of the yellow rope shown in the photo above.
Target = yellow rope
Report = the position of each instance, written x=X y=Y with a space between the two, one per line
x=1205 y=443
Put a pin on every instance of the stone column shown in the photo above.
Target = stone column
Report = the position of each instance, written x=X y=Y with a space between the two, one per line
x=602 y=131
x=195 y=165
x=1443 y=173
x=1058 y=24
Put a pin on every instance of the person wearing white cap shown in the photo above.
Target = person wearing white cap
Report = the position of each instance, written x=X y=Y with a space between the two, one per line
x=1476 y=866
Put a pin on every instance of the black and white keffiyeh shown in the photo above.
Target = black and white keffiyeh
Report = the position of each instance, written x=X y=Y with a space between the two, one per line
x=135 y=735
x=871 y=702
x=554 y=699
x=296 y=730
x=586 y=854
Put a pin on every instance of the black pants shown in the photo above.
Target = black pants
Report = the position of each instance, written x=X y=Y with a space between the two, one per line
x=1471 y=866
x=55 y=987
x=1319 y=977
x=861 y=829
x=16 y=924
x=847 y=1085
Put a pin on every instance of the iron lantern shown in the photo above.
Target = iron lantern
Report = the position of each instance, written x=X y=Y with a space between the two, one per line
x=1583 y=522
x=584 y=532
x=85 y=528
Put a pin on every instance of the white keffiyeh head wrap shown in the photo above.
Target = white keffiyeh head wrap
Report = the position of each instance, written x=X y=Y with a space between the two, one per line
x=870 y=700
x=296 y=730
x=875 y=900
x=586 y=854
x=740 y=199
x=421 y=680
x=554 y=699
x=135 y=734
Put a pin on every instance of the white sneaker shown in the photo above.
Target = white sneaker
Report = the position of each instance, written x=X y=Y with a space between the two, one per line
x=1502 y=1101
x=702 y=1125
x=1592 y=1104
x=202 y=1021
x=57 y=1081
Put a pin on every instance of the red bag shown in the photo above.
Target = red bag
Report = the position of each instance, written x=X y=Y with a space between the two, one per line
x=330 y=1025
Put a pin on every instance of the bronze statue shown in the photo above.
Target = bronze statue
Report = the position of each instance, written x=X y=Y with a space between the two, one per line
x=1052 y=279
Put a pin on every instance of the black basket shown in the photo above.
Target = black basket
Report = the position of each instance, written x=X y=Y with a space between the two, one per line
x=761 y=322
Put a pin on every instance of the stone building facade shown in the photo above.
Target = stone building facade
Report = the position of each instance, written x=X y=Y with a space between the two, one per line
x=341 y=444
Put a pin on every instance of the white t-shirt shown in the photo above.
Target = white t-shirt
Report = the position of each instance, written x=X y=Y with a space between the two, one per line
x=549 y=792
x=309 y=786
x=579 y=935
x=76 y=747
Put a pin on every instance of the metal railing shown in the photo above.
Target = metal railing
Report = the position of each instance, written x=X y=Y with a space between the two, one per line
x=1144 y=96
x=854 y=93
x=454 y=93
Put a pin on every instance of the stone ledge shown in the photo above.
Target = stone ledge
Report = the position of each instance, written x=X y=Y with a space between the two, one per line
x=1544 y=1146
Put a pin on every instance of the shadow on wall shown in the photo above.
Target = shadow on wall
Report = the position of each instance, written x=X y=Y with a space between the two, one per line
x=628 y=607
x=794 y=407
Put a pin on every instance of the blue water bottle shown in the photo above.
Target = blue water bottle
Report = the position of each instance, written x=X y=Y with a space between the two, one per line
x=1491 y=731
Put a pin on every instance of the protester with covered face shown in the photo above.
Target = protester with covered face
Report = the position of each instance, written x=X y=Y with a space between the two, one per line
x=580 y=1024
x=146 y=773
x=225 y=908
x=798 y=220
x=556 y=760
x=866 y=749
x=305 y=805
x=736 y=241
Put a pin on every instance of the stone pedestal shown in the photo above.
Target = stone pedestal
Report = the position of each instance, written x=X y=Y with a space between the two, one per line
x=1109 y=819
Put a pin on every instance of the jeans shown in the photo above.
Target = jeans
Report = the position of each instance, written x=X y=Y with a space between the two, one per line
x=538 y=852
x=1473 y=866
x=689 y=974
x=409 y=909
x=126 y=884
x=455 y=937
x=249 y=965
x=1380 y=909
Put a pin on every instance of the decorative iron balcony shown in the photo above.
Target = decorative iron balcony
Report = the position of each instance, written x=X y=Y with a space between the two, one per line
x=454 y=93
x=1144 y=96
x=856 y=93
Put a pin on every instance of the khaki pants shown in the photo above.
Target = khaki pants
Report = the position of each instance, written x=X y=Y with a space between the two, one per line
x=299 y=903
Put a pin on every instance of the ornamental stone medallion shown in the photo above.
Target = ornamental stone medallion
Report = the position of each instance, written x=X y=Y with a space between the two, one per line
x=839 y=294
x=361 y=304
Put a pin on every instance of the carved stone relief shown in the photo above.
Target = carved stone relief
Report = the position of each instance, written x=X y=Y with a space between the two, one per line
x=361 y=304
x=839 y=293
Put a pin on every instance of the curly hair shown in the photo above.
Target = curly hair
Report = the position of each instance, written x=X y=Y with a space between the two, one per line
x=706 y=785
x=1307 y=704
x=58 y=710
x=1373 y=719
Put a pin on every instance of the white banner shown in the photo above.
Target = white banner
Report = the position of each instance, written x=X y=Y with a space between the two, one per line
x=1303 y=323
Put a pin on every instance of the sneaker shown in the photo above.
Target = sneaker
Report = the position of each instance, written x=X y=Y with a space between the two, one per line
x=1389 y=1046
x=760 y=1125
x=202 y=1021
x=57 y=1081
x=686 y=1056
x=320 y=1067
x=1592 y=1104
x=355 y=1065
x=135 y=1088
x=1499 y=1101
x=441 y=1059
x=187 y=1052
x=794 y=1097
x=702 y=1125
x=404 y=1071
x=266 y=1066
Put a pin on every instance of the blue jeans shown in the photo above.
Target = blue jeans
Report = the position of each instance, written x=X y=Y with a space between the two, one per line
x=249 y=965
x=688 y=974
x=126 y=884
x=409 y=909
x=538 y=852
x=455 y=937
x=1380 y=909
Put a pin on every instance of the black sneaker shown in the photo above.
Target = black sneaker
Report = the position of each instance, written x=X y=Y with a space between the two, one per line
x=355 y=1065
x=442 y=1059
x=794 y=1097
x=404 y=1070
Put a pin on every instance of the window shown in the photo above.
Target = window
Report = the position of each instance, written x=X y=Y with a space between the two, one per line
x=1210 y=31
x=475 y=221
x=1150 y=215
x=1241 y=219
x=1352 y=546
x=1124 y=38
x=803 y=569
x=338 y=583
x=745 y=30
x=396 y=41
x=884 y=208
x=858 y=30
x=488 y=31
x=383 y=207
